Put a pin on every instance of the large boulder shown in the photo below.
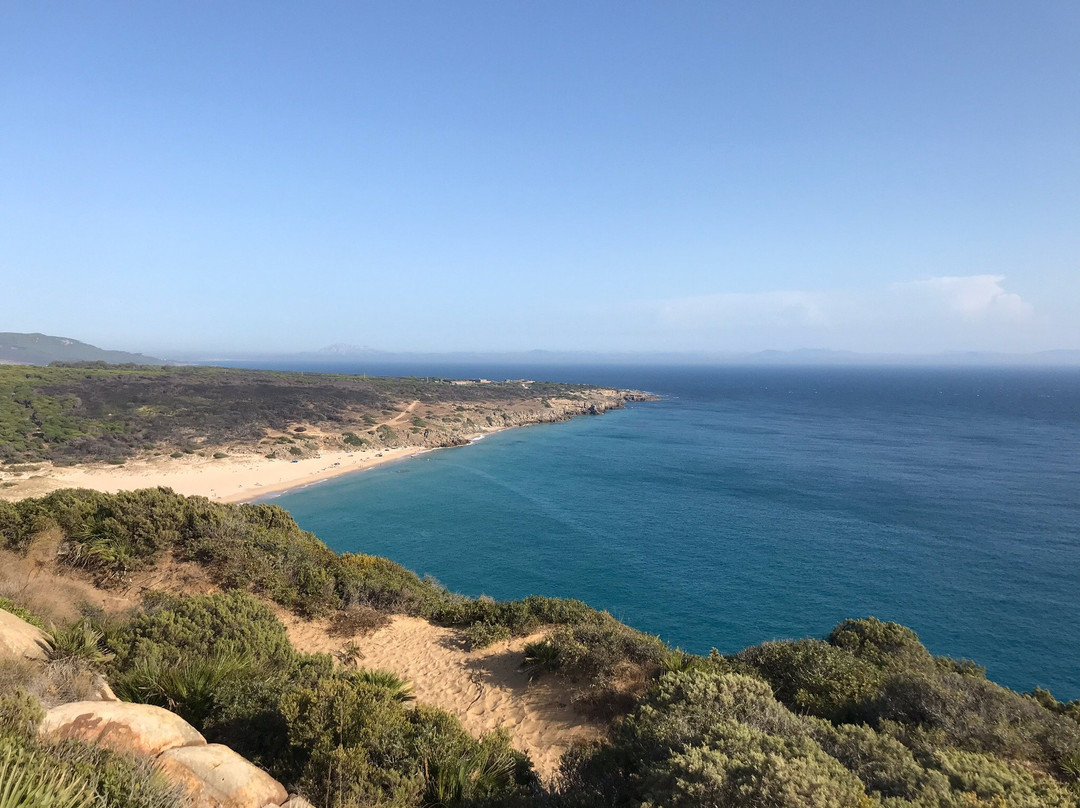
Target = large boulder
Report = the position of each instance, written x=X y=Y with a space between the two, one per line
x=21 y=639
x=136 y=729
x=217 y=777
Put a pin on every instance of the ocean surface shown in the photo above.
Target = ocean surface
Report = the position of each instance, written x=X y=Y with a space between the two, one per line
x=760 y=503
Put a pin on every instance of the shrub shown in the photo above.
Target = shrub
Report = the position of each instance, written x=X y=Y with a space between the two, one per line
x=174 y=630
x=998 y=782
x=295 y=450
x=20 y=713
x=359 y=745
x=481 y=635
x=356 y=620
x=219 y=455
x=884 y=645
x=704 y=738
x=886 y=767
x=9 y=605
x=352 y=439
x=815 y=677
x=976 y=715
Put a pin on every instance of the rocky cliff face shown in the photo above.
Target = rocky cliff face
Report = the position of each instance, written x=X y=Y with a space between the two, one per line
x=440 y=424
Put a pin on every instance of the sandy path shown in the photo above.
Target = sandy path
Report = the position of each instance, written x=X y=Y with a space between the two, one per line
x=485 y=689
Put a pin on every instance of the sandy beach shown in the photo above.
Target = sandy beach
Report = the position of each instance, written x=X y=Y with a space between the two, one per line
x=236 y=478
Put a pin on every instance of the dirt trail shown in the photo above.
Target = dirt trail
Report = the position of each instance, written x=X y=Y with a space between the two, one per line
x=486 y=689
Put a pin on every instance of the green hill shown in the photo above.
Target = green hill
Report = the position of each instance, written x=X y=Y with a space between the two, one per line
x=41 y=349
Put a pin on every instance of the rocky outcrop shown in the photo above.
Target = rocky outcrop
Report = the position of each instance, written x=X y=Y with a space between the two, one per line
x=217 y=777
x=213 y=775
x=21 y=639
x=134 y=729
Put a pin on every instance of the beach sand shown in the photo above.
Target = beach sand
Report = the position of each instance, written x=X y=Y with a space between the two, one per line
x=486 y=689
x=236 y=478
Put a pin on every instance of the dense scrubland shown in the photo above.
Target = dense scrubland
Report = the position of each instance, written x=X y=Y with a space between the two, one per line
x=92 y=412
x=864 y=717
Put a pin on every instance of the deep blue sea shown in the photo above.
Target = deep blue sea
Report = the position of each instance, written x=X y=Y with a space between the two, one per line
x=759 y=503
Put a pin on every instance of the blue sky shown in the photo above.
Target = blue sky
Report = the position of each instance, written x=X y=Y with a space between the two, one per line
x=211 y=176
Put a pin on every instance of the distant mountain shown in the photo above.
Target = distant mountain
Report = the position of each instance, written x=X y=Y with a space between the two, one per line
x=344 y=349
x=40 y=349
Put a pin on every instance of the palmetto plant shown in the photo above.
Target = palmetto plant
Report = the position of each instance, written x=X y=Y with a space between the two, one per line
x=188 y=688
x=400 y=689
x=541 y=657
x=473 y=775
x=80 y=641
x=29 y=781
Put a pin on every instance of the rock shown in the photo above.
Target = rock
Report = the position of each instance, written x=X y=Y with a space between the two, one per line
x=102 y=691
x=137 y=729
x=217 y=777
x=296 y=801
x=20 y=639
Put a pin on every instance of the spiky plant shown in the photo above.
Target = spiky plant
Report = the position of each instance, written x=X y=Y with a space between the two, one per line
x=189 y=688
x=79 y=641
x=27 y=780
x=399 y=688
x=540 y=657
x=473 y=775
x=679 y=661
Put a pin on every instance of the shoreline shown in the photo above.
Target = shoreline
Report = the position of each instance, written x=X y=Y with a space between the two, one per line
x=242 y=477
x=244 y=473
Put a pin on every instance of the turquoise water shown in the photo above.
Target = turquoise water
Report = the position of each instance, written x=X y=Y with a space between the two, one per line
x=753 y=504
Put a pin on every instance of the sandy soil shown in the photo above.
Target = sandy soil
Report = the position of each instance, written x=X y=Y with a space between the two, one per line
x=236 y=478
x=486 y=689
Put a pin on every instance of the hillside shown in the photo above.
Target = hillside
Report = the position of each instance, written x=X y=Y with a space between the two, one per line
x=78 y=414
x=863 y=718
x=40 y=349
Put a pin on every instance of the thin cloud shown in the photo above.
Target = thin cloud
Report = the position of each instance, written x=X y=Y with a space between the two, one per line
x=937 y=313
x=970 y=296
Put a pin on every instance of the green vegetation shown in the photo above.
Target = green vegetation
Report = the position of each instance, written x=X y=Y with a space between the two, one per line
x=864 y=718
x=9 y=605
x=36 y=774
x=94 y=411
x=352 y=439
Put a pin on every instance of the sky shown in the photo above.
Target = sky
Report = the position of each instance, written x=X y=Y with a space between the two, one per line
x=598 y=176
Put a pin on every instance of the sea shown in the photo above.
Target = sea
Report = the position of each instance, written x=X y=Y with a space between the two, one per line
x=760 y=503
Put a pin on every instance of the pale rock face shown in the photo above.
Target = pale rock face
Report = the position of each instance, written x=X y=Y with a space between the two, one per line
x=217 y=777
x=135 y=729
x=20 y=639
x=295 y=801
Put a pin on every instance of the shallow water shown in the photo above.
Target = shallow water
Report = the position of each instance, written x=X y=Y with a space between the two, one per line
x=753 y=504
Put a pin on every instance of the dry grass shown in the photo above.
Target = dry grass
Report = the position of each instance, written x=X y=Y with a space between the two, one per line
x=52 y=683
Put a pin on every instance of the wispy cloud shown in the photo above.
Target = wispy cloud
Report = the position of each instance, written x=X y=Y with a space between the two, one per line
x=969 y=296
x=937 y=313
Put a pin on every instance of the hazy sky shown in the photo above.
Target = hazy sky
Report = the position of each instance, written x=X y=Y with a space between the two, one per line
x=504 y=175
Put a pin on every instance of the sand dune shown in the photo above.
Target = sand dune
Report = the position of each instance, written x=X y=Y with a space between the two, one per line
x=485 y=689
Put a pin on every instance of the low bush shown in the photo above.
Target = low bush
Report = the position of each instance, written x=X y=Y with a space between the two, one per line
x=356 y=620
x=815 y=677
x=9 y=605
